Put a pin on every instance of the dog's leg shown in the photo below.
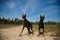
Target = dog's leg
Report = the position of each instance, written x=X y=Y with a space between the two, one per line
x=43 y=30
x=22 y=31
x=31 y=27
x=39 y=31
x=29 y=32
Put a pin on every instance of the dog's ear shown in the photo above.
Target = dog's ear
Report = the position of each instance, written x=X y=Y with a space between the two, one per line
x=25 y=14
x=43 y=17
x=40 y=15
x=22 y=14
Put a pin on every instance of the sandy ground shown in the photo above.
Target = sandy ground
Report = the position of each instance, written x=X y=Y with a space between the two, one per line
x=13 y=34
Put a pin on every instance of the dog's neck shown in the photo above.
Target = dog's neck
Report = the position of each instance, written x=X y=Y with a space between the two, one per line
x=25 y=20
x=41 y=20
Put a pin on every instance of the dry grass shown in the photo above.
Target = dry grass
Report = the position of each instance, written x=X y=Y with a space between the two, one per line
x=11 y=32
x=54 y=29
x=7 y=26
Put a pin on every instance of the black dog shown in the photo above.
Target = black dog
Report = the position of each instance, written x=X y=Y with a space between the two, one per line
x=26 y=24
x=41 y=24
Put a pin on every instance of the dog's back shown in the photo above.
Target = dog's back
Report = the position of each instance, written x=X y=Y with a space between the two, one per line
x=26 y=23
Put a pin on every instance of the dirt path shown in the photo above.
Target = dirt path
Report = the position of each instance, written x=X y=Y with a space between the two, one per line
x=13 y=34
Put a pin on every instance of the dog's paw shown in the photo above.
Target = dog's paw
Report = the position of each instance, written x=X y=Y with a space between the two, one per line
x=20 y=35
x=33 y=33
x=38 y=35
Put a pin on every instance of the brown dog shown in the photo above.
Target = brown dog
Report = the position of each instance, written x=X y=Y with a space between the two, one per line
x=41 y=25
x=26 y=24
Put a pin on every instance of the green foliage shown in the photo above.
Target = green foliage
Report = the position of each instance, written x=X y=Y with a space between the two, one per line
x=47 y=23
x=10 y=21
x=18 y=21
x=50 y=23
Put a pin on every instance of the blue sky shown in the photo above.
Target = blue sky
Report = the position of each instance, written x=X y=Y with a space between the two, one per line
x=32 y=8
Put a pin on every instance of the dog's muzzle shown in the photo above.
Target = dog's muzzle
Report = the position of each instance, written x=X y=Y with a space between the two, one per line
x=22 y=19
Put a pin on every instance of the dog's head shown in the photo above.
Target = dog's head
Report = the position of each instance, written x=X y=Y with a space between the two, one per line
x=23 y=17
x=41 y=17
